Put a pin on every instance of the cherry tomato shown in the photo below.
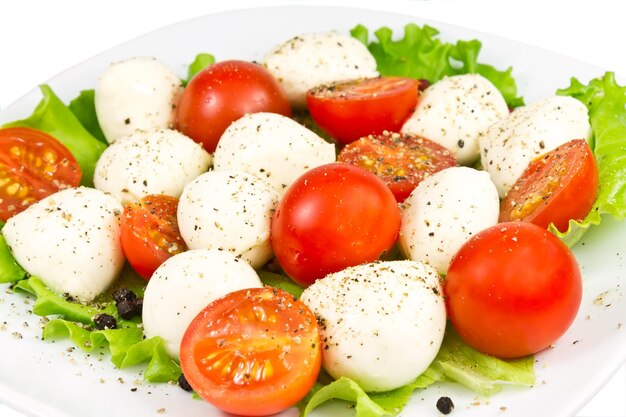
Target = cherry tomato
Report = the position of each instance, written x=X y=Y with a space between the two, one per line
x=401 y=161
x=556 y=187
x=350 y=110
x=149 y=233
x=332 y=217
x=513 y=290
x=253 y=352
x=33 y=165
x=221 y=94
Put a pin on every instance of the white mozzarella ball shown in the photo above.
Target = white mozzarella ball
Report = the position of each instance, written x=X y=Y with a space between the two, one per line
x=273 y=147
x=184 y=285
x=453 y=112
x=509 y=145
x=444 y=211
x=70 y=240
x=312 y=59
x=382 y=324
x=150 y=162
x=136 y=94
x=230 y=210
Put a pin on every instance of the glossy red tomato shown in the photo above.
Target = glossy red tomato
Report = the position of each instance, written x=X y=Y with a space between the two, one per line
x=332 y=217
x=556 y=187
x=513 y=290
x=33 y=165
x=149 y=233
x=350 y=110
x=401 y=161
x=253 y=352
x=221 y=94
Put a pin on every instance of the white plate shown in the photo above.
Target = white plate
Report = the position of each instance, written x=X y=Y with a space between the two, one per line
x=44 y=379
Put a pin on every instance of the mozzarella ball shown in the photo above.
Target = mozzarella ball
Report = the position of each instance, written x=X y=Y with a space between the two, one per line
x=70 y=240
x=453 y=112
x=312 y=59
x=136 y=94
x=273 y=147
x=508 y=146
x=443 y=212
x=382 y=324
x=150 y=162
x=229 y=210
x=184 y=285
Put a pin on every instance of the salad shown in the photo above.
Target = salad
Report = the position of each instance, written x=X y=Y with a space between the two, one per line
x=156 y=350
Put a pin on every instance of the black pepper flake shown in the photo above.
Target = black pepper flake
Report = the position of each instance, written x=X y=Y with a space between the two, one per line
x=445 y=405
x=183 y=383
x=461 y=143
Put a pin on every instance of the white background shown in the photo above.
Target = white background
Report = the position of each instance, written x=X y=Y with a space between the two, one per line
x=40 y=38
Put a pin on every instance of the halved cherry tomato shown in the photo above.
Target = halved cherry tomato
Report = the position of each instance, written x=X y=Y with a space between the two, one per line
x=332 y=217
x=513 y=290
x=149 y=233
x=253 y=352
x=224 y=92
x=350 y=110
x=401 y=161
x=556 y=187
x=33 y=165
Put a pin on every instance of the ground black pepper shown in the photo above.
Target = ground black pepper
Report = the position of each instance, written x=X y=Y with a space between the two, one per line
x=445 y=405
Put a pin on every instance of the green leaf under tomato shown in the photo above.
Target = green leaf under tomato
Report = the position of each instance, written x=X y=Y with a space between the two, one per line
x=419 y=54
x=606 y=103
x=202 y=61
x=53 y=117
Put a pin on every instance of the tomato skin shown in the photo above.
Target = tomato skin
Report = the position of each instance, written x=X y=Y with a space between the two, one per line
x=513 y=290
x=269 y=340
x=556 y=187
x=401 y=161
x=332 y=217
x=33 y=165
x=350 y=110
x=221 y=94
x=149 y=233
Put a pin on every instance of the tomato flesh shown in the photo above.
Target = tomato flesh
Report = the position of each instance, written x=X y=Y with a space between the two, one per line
x=332 y=217
x=252 y=352
x=401 y=161
x=350 y=110
x=33 y=165
x=149 y=233
x=221 y=94
x=556 y=187
x=513 y=290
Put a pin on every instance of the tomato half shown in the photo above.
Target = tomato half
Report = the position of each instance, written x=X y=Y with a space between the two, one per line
x=332 y=217
x=221 y=94
x=513 y=290
x=350 y=110
x=253 y=352
x=149 y=233
x=401 y=161
x=33 y=165
x=556 y=187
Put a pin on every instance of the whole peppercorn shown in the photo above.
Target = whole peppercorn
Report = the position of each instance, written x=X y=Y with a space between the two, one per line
x=105 y=321
x=445 y=405
x=183 y=383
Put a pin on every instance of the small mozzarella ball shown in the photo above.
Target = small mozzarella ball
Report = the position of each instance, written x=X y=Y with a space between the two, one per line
x=136 y=94
x=70 y=240
x=312 y=59
x=184 y=285
x=508 y=146
x=273 y=147
x=150 y=162
x=453 y=112
x=444 y=211
x=382 y=324
x=229 y=210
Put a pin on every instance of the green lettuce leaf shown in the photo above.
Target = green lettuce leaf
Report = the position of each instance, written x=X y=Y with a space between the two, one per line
x=606 y=103
x=419 y=54
x=53 y=117
x=84 y=108
x=201 y=61
x=280 y=281
x=455 y=362
x=10 y=270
